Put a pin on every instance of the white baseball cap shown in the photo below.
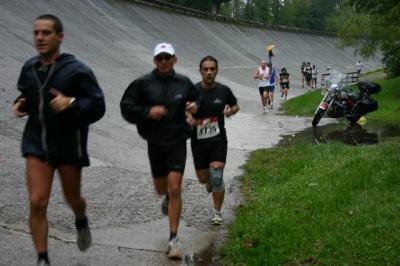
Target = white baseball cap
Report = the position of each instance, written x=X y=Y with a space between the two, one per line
x=164 y=48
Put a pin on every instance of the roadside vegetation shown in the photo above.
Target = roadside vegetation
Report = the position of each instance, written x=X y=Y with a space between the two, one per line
x=321 y=205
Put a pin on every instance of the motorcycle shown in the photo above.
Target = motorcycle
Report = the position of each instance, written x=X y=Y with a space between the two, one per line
x=340 y=101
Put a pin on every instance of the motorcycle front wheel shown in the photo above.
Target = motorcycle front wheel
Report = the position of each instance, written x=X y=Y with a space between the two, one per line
x=318 y=115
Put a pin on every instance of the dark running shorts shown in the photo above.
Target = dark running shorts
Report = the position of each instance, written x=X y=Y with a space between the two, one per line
x=165 y=159
x=308 y=77
x=206 y=152
x=263 y=89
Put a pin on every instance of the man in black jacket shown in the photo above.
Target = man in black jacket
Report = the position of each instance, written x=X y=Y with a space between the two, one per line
x=62 y=97
x=156 y=103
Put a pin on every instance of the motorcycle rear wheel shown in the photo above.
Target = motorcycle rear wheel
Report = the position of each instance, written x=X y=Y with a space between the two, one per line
x=318 y=115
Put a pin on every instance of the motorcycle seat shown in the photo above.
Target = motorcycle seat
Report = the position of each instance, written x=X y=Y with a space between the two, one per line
x=355 y=96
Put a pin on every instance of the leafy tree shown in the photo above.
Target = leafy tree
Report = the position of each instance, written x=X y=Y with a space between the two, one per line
x=373 y=27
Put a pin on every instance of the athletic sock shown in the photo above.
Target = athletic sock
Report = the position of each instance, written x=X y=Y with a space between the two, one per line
x=43 y=256
x=81 y=223
x=172 y=235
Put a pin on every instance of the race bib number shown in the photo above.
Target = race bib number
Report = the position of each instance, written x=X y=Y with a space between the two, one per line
x=207 y=128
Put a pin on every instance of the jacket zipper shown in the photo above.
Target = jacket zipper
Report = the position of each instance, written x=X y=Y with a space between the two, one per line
x=41 y=104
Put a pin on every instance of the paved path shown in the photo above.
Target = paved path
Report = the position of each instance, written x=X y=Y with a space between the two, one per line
x=116 y=40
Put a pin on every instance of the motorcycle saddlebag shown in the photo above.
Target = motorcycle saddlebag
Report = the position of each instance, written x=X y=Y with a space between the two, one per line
x=368 y=86
x=368 y=105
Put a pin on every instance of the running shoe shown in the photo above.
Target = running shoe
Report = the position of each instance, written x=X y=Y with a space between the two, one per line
x=43 y=263
x=265 y=110
x=164 y=206
x=217 y=218
x=272 y=106
x=173 y=251
x=84 y=238
x=209 y=186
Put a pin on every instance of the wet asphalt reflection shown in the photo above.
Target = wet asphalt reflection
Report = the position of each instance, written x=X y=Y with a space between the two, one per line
x=372 y=132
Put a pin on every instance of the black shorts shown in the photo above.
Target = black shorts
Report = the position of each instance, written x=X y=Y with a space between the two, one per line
x=285 y=85
x=206 y=152
x=263 y=89
x=164 y=159
x=308 y=77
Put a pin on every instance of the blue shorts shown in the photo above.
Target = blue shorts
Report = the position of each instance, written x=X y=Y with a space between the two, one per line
x=271 y=88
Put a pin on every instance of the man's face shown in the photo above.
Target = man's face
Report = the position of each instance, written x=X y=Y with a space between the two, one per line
x=263 y=64
x=164 y=63
x=46 y=39
x=209 y=72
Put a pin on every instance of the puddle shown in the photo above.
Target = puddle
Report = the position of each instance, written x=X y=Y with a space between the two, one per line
x=373 y=132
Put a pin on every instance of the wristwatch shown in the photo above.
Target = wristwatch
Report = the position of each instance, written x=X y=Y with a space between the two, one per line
x=72 y=102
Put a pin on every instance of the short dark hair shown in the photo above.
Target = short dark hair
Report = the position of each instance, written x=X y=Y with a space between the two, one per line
x=209 y=58
x=58 y=27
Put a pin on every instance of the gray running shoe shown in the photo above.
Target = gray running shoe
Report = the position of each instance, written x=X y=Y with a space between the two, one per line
x=164 y=206
x=43 y=263
x=272 y=106
x=217 y=218
x=209 y=186
x=84 y=238
x=173 y=251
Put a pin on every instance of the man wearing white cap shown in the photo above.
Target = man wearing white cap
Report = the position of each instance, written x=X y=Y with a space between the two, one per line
x=156 y=103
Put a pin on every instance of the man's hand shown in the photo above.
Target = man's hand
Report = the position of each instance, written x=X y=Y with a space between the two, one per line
x=191 y=107
x=61 y=102
x=190 y=119
x=19 y=108
x=227 y=111
x=157 y=112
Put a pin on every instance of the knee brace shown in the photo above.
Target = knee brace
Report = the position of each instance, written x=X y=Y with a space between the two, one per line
x=216 y=176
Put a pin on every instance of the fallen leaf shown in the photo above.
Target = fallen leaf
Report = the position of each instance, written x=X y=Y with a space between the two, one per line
x=247 y=243
x=3 y=160
x=3 y=89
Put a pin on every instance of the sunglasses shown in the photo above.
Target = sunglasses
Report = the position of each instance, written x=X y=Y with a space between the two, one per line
x=166 y=57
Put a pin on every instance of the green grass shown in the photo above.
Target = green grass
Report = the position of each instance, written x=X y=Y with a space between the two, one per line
x=332 y=204
x=321 y=205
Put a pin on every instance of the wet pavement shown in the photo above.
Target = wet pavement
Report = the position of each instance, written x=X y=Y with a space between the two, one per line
x=371 y=133
x=116 y=39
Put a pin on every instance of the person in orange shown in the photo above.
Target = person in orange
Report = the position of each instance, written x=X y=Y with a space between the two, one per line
x=61 y=96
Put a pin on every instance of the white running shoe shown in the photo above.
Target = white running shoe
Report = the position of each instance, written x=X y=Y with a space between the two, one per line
x=173 y=251
x=217 y=218
x=265 y=110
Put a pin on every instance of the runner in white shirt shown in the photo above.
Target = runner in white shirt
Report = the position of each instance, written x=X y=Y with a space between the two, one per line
x=263 y=73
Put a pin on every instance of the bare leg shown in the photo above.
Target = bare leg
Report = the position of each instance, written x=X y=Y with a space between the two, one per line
x=39 y=178
x=71 y=184
x=204 y=175
x=171 y=184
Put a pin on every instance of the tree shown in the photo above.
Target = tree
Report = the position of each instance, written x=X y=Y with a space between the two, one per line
x=373 y=27
x=216 y=5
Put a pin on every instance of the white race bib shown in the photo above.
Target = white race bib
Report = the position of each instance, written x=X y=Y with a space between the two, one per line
x=207 y=128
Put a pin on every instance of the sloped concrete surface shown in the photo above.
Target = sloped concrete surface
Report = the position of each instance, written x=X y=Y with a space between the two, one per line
x=116 y=39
